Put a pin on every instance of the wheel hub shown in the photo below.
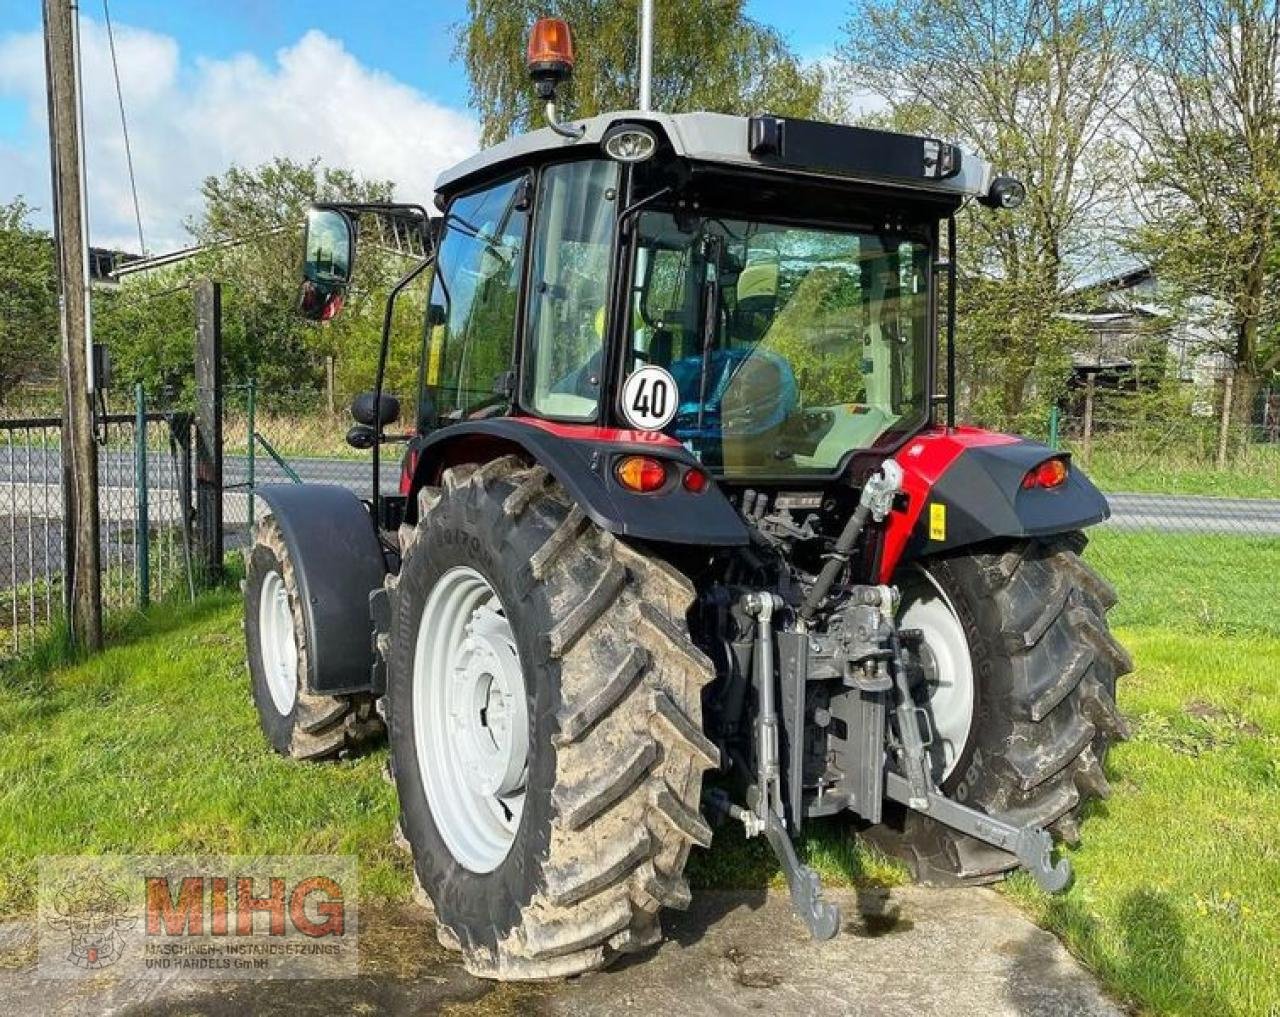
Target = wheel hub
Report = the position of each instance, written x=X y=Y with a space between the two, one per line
x=278 y=643
x=470 y=719
x=488 y=707
x=947 y=668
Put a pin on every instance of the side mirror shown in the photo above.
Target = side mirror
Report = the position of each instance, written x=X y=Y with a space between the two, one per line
x=362 y=410
x=328 y=258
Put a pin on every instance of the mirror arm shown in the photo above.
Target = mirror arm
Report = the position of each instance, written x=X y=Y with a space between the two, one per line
x=386 y=208
x=383 y=347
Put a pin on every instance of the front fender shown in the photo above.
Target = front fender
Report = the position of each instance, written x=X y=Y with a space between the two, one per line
x=337 y=562
x=964 y=487
x=580 y=457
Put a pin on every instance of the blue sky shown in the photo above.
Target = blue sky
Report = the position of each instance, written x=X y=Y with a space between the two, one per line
x=193 y=70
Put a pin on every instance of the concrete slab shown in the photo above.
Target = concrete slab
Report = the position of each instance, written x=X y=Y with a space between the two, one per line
x=911 y=951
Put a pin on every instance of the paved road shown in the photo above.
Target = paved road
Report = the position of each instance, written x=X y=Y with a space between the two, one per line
x=1179 y=513
x=31 y=503
x=914 y=951
x=23 y=476
x=1163 y=512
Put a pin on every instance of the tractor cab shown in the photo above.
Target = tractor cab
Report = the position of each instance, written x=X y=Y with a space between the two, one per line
x=772 y=282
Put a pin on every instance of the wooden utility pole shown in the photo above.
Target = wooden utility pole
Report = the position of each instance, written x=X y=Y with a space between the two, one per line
x=70 y=229
x=208 y=299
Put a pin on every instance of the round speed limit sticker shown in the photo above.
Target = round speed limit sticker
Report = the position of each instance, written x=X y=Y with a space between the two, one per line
x=649 y=398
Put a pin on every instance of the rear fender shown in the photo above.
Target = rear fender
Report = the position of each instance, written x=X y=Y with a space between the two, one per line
x=964 y=487
x=581 y=459
x=337 y=562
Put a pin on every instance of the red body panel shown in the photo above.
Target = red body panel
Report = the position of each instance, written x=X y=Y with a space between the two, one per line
x=572 y=432
x=924 y=459
x=589 y=432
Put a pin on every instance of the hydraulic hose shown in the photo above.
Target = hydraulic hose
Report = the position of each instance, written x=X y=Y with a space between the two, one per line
x=836 y=561
x=877 y=499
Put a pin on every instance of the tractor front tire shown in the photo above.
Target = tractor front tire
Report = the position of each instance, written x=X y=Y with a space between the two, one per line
x=297 y=723
x=1045 y=666
x=609 y=806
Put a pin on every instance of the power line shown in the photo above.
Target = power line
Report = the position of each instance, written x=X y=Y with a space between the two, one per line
x=124 y=126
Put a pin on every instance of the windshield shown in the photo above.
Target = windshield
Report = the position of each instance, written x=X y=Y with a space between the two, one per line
x=790 y=346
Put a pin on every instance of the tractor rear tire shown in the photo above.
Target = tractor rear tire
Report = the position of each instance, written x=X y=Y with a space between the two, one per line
x=297 y=723
x=610 y=804
x=1045 y=666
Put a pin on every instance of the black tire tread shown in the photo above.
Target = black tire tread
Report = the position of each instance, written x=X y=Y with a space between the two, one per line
x=324 y=727
x=630 y=752
x=1056 y=718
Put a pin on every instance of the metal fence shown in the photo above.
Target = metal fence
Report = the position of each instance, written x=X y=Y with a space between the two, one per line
x=1194 y=534
x=288 y=437
x=1193 y=540
x=144 y=482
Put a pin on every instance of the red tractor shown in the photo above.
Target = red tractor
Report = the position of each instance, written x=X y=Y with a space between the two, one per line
x=682 y=506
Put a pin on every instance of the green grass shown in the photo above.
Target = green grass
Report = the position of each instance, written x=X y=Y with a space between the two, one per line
x=1212 y=582
x=1178 y=465
x=153 y=747
x=1176 y=903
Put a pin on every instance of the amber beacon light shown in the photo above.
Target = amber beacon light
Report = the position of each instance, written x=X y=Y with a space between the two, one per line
x=550 y=54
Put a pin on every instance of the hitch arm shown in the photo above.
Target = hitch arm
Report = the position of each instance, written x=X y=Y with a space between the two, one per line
x=1031 y=845
x=821 y=916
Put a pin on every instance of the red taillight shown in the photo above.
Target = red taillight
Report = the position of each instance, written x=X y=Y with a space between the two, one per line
x=331 y=308
x=1048 y=474
x=694 y=481
x=642 y=474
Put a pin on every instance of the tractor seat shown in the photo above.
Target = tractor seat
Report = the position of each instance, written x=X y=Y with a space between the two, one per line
x=749 y=392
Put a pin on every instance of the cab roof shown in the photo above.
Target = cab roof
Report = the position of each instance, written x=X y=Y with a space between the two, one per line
x=830 y=151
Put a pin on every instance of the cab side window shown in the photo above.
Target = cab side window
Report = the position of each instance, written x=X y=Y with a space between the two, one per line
x=569 y=290
x=471 y=318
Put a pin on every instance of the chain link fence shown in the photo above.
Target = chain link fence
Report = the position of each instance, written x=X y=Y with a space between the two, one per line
x=272 y=436
x=1194 y=534
x=144 y=482
x=1193 y=540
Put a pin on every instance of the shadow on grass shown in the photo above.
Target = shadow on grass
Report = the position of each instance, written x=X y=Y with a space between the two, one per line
x=1149 y=963
x=30 y=676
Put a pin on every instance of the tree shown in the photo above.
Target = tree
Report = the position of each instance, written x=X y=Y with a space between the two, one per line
x=28 y=300
x=707 y=55
x=250 y=232
x=1032 y=86
x=251 y=227
x=1208 y=117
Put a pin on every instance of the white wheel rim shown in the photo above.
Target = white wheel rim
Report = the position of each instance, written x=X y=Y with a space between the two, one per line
x=278 y=643
x=950 y=702
x=470 y=719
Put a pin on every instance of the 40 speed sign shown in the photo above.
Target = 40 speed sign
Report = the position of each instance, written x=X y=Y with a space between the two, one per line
x=650 y=398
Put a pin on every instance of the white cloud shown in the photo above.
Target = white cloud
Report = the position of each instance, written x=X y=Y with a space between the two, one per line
x=187 y=121
x=841 y=100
